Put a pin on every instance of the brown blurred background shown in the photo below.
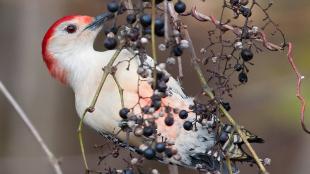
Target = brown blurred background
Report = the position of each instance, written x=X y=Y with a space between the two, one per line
x=266 y=105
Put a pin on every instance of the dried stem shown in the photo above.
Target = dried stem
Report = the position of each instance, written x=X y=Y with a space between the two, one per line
x=228 y=162
x=106 y=71
x=208 y=91
x=120 y=90
x=153 y=40
x=51 y=157
x=298 y=87
x=204 y=18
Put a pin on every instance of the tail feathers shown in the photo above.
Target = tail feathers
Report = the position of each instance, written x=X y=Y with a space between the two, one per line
x=209 y=163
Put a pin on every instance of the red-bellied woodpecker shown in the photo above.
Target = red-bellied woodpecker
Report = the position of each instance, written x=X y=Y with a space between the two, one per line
x=68 y=52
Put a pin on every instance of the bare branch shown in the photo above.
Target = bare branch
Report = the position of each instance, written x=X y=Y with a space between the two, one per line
x=52 y=159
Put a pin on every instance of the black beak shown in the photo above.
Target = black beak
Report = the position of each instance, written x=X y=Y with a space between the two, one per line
x=99 y=21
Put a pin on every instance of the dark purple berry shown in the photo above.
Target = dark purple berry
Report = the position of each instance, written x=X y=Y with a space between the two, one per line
x=243 y=78
x=238 y=67
x=113 y=7
x=177 y=51
x=223 y=137
x=160 y=147
x=149 y=153
x=110 y=43
x=156 y=97
x=246 y=54
x=169 y=121
x=180 y=7
x=131 y=18
x=147 y=30
x=234 y=2
x=183 y=114
x=146 y=20
x=226 y=105
x=124 y=112
x=156 y=104
x=160 y=32
x=159 y=24
x=127 y=171
x=168 y=152
x=134 y=34
x=148 y=131
x=188 y=125
x=246 y=12
x=162 y=86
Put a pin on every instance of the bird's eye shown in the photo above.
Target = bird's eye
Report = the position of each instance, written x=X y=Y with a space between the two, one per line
x=71 y=28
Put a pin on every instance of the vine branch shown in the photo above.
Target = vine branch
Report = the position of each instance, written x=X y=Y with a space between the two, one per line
x=299 y=78
x=106 y=71
x=208 y=91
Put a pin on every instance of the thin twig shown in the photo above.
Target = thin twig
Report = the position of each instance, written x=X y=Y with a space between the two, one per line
x=202 y=17
x=228 y=162
x=120 y=90
x=299 y=78
x=208 y=91
x=106 y=71
x=51 y=157
x=154 y=41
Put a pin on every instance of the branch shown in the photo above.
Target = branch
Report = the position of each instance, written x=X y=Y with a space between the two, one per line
x=106 y=71
x=299 y=78
x=208 y=91
x=52 y=159
x=204 y=18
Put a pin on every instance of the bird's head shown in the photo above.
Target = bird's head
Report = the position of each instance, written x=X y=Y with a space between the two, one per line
x=66 y=39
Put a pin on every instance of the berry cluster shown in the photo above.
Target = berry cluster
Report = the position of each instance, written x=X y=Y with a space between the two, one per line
x=226 y=59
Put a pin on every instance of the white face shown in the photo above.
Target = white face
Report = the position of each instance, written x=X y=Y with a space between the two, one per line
x=71 y=36
x=65 y=40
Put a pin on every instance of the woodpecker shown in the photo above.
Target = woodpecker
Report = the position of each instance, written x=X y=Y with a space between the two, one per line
x=69 y=55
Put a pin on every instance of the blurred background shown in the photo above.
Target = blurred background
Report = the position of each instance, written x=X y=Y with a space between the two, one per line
x=266 y=105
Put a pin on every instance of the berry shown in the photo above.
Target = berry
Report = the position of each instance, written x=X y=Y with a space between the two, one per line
x=234 y=2
x=131 y=18
x=156 y=97
x=238 y=67
x=156 y=104
x=169 y=121
x=223 y=137
x=147 y=30
x=168 y=152
x=160 y=32
x=243 y=78
x=110 y=43
x=226 y=105
x=162 y=86
x=146 y=20
x=246 y=12
x=246 y=54
x=159 y=24
x=177 y=51
x=134 y=34
x=124 y=112
x=148 y=131
x=183 y=114
x=160 y=147
x=127 y=171
x=113 y=7
x=188 y=125
x=180 y=7
x=149 y=153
